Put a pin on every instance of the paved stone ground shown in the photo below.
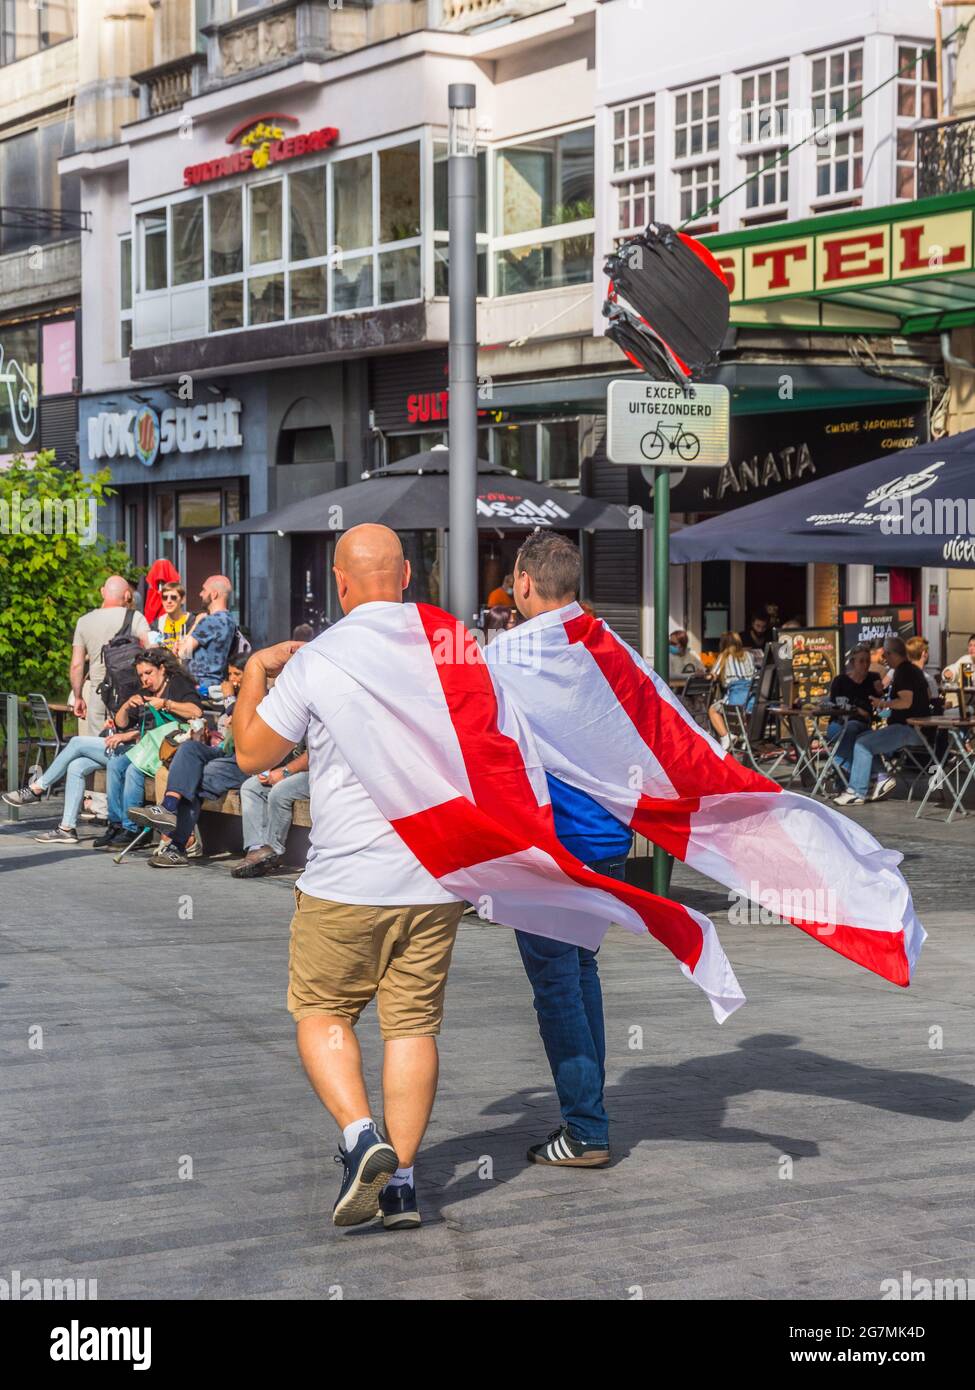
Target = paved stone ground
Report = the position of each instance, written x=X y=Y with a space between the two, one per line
x=166 y=1037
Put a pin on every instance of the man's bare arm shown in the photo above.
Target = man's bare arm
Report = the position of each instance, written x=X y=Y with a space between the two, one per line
x=256 y=746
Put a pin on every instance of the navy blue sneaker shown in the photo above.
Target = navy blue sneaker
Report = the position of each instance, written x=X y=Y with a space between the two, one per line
x=562 y=1150
x=368 y=1168
x=399 y=1208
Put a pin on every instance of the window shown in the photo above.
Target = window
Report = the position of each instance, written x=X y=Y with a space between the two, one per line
x=152 y=240
x=837 y=89
x=839 y=165
x=226 y=306
x=226 y=233
x=441 y=256
x=633 y=137
x=837 y=85
x=699 y=186
x=696 y=121
x=544 y=452
x=544 y=186
x=265 y=202
x=399 y=193
x=696 y=135
x=764 y=111
x=545 y=183
x=917 y=101
x=29 y=178
x=125 y=295
x=307 y=198
x=635 y=205
x=27 y=26
x=188 y=262
x=634 y=151
x=352 y=200
x=769 y=182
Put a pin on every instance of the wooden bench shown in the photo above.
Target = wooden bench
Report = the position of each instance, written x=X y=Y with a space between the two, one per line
x=224 y=834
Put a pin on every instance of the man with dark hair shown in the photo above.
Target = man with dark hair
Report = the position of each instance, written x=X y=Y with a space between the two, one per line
x=565 y=978
x=759 y=630
x=908 y=699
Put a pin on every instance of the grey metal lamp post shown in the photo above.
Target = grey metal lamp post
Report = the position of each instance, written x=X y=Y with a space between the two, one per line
x=462 y=427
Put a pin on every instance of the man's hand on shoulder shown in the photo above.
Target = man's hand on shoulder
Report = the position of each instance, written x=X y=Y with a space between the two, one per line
x=272 y=660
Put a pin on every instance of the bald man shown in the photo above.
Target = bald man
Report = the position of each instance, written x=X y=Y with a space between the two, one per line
x=92 y=631
x=370 y=922
x=210 y=642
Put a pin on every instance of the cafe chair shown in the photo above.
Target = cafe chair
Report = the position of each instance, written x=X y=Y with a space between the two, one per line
x=42 y=734
x=696 y=697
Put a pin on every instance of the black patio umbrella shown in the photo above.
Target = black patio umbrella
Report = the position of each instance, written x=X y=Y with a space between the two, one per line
x=914 y=507
x=412 y=495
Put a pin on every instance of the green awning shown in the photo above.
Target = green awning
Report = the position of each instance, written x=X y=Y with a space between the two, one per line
x=904 y=269
x=757 y=388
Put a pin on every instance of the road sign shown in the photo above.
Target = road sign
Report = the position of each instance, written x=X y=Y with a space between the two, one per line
x=669 y=426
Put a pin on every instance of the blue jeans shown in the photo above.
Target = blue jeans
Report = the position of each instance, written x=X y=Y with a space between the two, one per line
x=569 y=1005
x=199 y=773
x=78 y=757
x=885 y=740
x=126 y=785
x=848 y=734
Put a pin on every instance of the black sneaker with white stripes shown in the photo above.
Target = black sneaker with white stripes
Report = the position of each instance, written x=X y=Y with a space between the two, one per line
x=560 y=1150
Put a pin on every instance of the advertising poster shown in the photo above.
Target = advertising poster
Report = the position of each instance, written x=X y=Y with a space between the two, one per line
x=870 y=623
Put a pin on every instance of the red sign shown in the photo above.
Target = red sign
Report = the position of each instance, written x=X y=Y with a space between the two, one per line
x=263 y=142
x=426 y=406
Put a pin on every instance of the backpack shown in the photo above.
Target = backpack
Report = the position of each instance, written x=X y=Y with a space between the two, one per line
x=119 y=656
x=239 y=645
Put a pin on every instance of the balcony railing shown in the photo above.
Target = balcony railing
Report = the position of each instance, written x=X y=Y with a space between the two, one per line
x=946 y=157
x=168 y=86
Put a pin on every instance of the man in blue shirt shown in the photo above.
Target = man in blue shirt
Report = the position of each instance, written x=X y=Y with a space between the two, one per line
x=565 y=978
x=207 y=647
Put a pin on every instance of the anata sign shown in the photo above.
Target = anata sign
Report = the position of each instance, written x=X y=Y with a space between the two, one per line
x=262 y=142
x=846 y=257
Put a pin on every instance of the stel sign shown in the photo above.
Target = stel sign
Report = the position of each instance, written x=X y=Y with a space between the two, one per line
x=848 y=257
x=262 y=142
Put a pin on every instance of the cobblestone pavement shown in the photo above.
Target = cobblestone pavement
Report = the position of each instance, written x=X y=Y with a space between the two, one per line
x=818 y=1143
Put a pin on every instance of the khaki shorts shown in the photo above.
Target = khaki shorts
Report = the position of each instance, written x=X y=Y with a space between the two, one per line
x=344 y=954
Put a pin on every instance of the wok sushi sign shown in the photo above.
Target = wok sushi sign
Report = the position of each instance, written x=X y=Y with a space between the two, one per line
x=845 y=257
x=144 y=433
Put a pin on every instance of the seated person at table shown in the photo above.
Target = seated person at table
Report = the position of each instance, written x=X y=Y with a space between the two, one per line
x=79 y=756
x=964 y=668
x=732 y=674
x=230 y=686
x=267 y=801
x=682 y=660
x=856 y=684
x=919 y=653
x=168 y=693
x=197 y=773
x=878 y=666
x=908 y=699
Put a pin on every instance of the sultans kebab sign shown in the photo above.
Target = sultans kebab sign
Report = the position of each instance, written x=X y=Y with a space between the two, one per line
x=262 y=141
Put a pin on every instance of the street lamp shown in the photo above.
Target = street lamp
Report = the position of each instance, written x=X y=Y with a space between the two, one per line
x=462 y=420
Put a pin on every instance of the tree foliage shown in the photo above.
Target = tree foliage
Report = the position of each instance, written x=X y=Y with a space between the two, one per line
x=52 y=566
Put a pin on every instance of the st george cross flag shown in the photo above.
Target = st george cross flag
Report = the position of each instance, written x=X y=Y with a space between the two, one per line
x=608 y=725
x=454 y=769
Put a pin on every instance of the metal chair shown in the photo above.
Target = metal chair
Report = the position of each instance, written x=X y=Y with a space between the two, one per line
x=44 y=734
x=696 y=697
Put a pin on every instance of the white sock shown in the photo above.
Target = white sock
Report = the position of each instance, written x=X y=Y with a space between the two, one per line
x=726 y=741
x=351 y=1132
x=401 y=1177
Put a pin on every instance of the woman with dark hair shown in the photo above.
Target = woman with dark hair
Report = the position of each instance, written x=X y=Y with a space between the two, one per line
x=168 y=693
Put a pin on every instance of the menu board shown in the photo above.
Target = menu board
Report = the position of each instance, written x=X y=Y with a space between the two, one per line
x=812 y=655
x=872 y=623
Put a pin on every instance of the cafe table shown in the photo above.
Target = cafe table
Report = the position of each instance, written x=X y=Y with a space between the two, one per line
x=795 y=716
x=954 y=767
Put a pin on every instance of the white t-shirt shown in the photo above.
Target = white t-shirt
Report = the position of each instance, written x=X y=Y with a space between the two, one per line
x=355 y=856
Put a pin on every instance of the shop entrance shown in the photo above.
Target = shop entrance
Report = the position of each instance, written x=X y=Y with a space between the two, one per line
x=179 y=517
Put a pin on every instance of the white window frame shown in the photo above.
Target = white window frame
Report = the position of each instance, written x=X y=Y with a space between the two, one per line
x=624 y=181
x=279 y=173
x=767 y=146
x=125 y=315
x=921 y=84
x=541 y=236
x=852 y=126
x=688 y=163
